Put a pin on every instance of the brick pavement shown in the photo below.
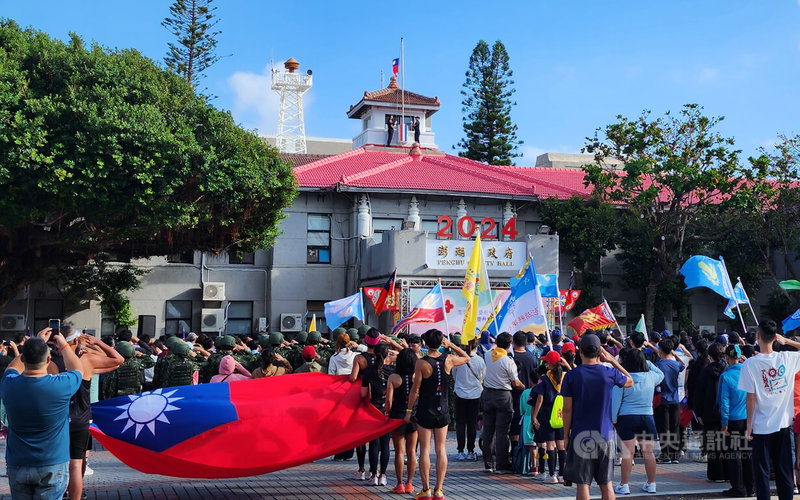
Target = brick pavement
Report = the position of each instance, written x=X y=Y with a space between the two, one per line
x=326 y=479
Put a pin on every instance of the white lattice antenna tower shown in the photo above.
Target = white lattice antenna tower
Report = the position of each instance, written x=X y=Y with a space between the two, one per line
x=291 y=86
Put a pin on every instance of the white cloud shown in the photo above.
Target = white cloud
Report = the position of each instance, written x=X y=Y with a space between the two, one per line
x=255 y=104
x=708 y=74
x=529 y=154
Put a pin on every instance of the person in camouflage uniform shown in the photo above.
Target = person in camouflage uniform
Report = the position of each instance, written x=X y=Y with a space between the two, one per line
x=323 y=349
x=243 y=355
x=224 y=345
x=162 y=362
x=126 y=379
x=294 y=353
x=180 y=369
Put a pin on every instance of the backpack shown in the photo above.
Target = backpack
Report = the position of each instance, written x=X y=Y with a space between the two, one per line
x=557 y=415
x=521 y=459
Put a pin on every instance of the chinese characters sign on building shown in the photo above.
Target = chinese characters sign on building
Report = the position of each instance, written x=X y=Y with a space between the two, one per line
x=454 y=254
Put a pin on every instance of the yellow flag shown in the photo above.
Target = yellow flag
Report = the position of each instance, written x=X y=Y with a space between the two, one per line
x=313 y=326
x=475 y=283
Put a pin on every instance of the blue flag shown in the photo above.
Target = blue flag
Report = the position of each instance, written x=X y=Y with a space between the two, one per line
x=339 y=311
x=704 y=271
x=792 y=322
x=548 y=285
x=524 y=305
x=739 y=297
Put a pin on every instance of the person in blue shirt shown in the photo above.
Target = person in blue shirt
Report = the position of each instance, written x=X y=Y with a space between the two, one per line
x=587 y=418
x=667 y=414
x=733 y=412
x=632 y=413
x=37 y=405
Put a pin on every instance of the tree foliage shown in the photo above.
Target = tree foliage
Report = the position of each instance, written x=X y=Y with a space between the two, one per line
x=588 y=230
x=491 y=136
x=677 y=169
x=105 y=280
x=192 y=23
x=103 y=151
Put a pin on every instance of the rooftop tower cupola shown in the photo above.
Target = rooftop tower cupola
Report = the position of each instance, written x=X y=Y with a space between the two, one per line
x=378 y=109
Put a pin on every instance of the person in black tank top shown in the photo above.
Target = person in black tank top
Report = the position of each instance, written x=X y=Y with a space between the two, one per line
x=361 y=363
x=431 y=382
x=373 y=386
x=398 y=389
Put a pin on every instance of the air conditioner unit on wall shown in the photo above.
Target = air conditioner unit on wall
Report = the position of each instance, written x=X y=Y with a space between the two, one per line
x=262 y=324
x=213 y=320
x=620 y=309
x=291 y=322
x=12 y=323
x=213 y=290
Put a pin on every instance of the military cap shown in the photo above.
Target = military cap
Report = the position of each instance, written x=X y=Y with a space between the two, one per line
x=314 y=338
x=126 y=349
x=226 y=342
x=180 y=349
x=302 y=337
x=275 y=339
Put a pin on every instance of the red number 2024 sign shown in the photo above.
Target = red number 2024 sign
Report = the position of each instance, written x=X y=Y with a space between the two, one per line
x=467 y=227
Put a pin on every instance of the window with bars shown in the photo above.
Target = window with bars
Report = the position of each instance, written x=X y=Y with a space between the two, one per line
x=319 y=239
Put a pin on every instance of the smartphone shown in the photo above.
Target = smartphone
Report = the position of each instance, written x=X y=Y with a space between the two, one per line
x=55 y=325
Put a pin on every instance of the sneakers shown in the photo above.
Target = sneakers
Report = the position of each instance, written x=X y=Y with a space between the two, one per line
x=423 y=495
x=89 y=471
x=540 y=477
x=560 y=479
x=438 y=495
x=551 y=480
x=374 y=480
x=618 y=461
x=622 y=489
x=663 y=461
x=399 y=489
x=461 y=457
x=649 y=487
x=409 y=488
x=382 y=479
x=472 y=457
x=674 y=461
x=488 y=468
x=360 y=476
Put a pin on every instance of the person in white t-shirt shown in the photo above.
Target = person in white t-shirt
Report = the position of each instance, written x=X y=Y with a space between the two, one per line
x=768 y=380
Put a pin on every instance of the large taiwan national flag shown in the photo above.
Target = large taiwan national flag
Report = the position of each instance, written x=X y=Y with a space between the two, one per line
x=238 y=429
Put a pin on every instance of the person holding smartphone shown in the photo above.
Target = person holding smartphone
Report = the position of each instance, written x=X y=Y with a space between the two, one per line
x=37 y=405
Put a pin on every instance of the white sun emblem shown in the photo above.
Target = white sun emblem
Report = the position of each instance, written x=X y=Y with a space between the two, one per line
x=145 y=409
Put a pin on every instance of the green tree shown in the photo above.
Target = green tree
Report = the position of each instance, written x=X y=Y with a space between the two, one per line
x=105 y=280
x=675 y=169
x=103 y=151
x=491 y=136
x=192 y=23
x=587 y=230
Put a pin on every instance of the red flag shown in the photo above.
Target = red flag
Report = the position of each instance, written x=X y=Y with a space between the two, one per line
x=594 y=318
x=567 y=300
x=226 y=430
x=388 y=291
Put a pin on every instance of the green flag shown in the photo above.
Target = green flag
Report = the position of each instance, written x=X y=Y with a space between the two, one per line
x=640 y=326
x=790 y=285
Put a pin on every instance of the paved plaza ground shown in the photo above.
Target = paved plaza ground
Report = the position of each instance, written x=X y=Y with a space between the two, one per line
x=326 y=479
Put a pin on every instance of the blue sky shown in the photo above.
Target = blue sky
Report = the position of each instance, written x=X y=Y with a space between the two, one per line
x=577 y=65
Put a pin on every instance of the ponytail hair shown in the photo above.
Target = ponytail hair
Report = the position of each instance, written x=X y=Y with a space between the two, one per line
x=380 y=352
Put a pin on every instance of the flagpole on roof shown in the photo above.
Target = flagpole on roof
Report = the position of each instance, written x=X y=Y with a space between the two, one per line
x=444 y=309
x=403 y=92
x=739 y=280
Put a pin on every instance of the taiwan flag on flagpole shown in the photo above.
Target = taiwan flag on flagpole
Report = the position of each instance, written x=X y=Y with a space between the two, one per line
x=429 y=310
x=339 y=311
x=386 y=292
x=226 y=430
x=395 y=66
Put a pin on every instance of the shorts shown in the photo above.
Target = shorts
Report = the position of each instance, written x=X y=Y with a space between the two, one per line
x=79 y=442
x=546 y=433
x=432 y=420
x=636 y=427
x=589 y=457
x=407 y=428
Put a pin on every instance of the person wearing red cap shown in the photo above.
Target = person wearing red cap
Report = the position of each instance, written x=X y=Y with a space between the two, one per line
x=568 y=353
x=543 y=399
x=310 y=357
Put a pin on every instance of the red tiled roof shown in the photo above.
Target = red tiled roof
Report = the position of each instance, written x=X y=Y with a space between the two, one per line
x=378 y=169
x=299 y=159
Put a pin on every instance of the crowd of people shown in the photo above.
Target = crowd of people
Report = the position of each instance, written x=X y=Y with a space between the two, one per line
x=558 y=410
